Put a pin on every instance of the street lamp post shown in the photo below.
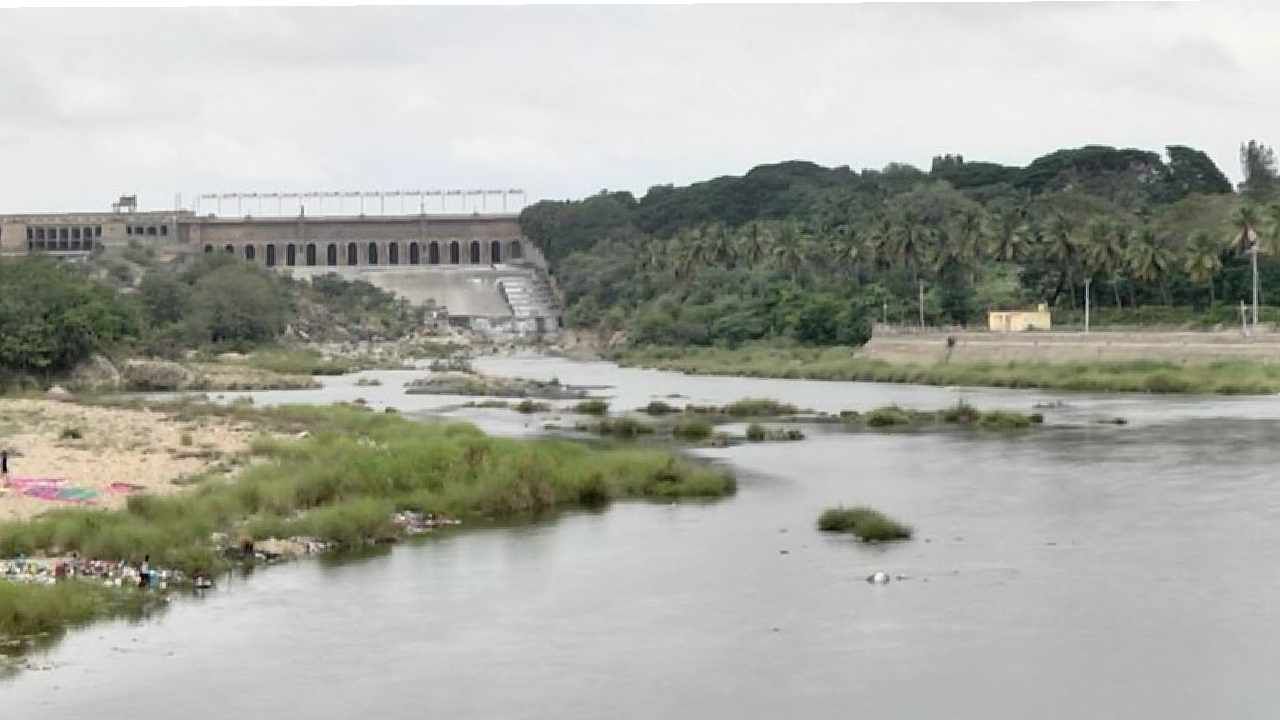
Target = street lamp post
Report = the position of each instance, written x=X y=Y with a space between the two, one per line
x=1253 y=253
x=1086 y=304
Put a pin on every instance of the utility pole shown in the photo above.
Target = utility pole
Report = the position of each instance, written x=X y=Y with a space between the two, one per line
x=1253 y=252
x=1086 y=304
x=1244 y=320
x=921 y=304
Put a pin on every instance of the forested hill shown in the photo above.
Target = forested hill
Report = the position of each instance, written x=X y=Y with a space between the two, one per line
x=796 y=249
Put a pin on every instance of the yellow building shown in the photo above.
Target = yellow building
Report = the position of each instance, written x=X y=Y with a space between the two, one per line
x=1020 y=320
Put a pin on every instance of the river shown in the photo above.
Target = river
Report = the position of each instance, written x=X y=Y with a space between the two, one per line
x=1079 y=570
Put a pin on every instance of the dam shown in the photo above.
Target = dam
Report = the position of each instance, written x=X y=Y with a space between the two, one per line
x=477 y=267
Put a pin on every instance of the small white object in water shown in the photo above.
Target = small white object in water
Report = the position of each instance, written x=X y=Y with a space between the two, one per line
x=879 y=577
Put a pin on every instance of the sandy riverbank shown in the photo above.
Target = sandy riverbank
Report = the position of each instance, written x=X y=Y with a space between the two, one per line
x=137 y=447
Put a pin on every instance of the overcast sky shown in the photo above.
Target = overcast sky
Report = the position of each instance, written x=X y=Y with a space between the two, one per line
x=567 y=101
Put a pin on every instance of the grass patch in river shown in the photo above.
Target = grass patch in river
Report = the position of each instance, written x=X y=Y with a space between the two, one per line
x=592 y=407
x=37 y=610
x=343 y=481
x=866 y=523
x=692 y=429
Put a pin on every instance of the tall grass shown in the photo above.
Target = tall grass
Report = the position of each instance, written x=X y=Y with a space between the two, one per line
x=343 y=482
x=28 y=609
x=866 y=523
x=962 y=413
x=592 y=407
x=840 y=363
x=297 y=362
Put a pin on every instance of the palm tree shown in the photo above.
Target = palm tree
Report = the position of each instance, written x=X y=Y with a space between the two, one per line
x=1273 y=237
x=1104 y=251
x=1244 y=235
x=1062 y=250
x=1203 y=261
x=972 y=231
x=791 y=251
x=879 y=240
x=949 y=247
x=754 y=240
x=1150 y=260
x=1245 y=222
x=910 y=241
x=1009 y=238
x=721 y=249
x=692 y=251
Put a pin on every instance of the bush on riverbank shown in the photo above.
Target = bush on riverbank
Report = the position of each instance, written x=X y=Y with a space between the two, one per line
x=866 y=523
x=298 y=362
x=529 y=407
x=32 y=609
x=592 y=407
x=658 y=407
x=692 y=429
x=759 y=433
x=962 y=413
x=343 y=481
x=840 y=363
x=623 y=427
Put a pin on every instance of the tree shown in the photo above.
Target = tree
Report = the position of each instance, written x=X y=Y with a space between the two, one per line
x=791 y=251
x=166 y=298
x=1203 y=260
x=1150 y=260
x=754 y=242
x=1061 y=251
x=239 y=304
x=52 y=316
x=1192 y=171
x=1009 y=239
x=1258 y=162
x=1245 y=222
x=1104 y=251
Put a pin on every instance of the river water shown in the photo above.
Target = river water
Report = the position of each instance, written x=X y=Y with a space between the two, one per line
x=1079 y=570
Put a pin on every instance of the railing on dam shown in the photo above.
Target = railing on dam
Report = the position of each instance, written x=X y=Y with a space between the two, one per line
x=361 y=202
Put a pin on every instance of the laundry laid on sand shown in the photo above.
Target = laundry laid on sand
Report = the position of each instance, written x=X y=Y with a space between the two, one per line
x=52 y=489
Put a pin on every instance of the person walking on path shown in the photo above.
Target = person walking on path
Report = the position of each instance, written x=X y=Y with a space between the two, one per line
x=4 y=464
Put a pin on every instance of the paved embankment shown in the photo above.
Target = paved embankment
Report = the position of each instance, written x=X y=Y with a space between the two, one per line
x=981 y=346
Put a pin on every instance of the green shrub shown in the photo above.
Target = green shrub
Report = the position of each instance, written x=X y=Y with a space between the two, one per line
x=962 y=412
x=866 y=523
x=1001 y=420
x=692 y=429
x=889 y=416
x=756 y=432
x=658 y=407
x=530 y=406
x=623 y=427
x=71 y=433
x=759 y=407
x=592 y=407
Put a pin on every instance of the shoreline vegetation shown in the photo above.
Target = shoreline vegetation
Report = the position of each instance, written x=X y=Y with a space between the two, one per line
x=842 y=364
x=698 y=424
x=867 y=524
x=340 y=476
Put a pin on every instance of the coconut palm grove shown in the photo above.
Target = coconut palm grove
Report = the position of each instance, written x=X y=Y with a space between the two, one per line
x=816 y=254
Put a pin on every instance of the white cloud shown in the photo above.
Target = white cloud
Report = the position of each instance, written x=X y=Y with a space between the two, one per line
x=567 y=100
